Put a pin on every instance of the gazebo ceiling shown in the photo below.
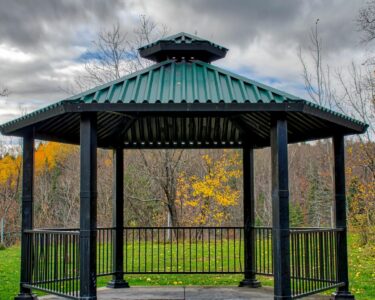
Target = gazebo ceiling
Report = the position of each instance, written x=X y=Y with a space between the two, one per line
x=184 y=102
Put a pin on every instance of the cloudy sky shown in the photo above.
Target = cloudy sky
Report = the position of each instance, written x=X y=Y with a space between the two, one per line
x=42 y=42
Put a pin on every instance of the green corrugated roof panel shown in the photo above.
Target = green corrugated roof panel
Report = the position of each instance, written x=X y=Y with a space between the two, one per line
x=183 y=82
x=187 y=78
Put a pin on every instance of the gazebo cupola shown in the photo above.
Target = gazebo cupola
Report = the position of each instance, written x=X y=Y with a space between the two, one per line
x=183 y=46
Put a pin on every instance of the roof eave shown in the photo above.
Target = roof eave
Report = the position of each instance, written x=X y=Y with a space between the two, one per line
x=355 y=126
x=15 y=127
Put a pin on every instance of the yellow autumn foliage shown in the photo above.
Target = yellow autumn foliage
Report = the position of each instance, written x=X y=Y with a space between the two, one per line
x=9 y=170
x=209 y=195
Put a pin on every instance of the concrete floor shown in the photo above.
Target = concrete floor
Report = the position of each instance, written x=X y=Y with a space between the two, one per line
x=181 y=293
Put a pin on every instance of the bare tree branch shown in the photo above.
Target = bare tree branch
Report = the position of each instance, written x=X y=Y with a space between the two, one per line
x=4 y=91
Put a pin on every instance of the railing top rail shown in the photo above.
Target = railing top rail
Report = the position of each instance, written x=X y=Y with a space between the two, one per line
x=76 y=230
x=261 y=227
x=65 y=232
x=308 y=230
x=58 y=229
x=184 y=227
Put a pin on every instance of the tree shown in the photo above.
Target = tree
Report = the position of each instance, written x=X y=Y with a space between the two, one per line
x=354 y=96
x=3 y=91
x=317 y=196
x=164 y=167
x=50 y=159
x=366 y=21
x=317 y=77
x=114 y=53
x=9 y=191
x=366 y=25
x=209 y=196
x=358 y=100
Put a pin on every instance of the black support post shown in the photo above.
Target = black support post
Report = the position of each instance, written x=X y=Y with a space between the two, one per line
x=249 y=219
x=340 y=218
x=27 y=213
x=118 y=220
x=280 y=208
x=88 y=139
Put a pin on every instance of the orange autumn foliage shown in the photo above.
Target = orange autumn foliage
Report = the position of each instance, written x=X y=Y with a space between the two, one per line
x=49 y=155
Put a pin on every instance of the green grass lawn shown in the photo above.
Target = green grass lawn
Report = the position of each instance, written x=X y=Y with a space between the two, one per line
x=361 y=262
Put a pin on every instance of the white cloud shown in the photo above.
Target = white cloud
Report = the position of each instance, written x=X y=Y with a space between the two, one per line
x=14 y=55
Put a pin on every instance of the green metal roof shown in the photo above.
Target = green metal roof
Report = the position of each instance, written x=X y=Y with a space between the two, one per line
x=202 y=98
x=189 y=82
x=183 y=82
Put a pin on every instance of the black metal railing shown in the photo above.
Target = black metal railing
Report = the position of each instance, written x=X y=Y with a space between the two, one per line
x=53 y=255
x=53 y=261
x=313 y=260
x=183 y=250
x=104 y=251
x=263 y=250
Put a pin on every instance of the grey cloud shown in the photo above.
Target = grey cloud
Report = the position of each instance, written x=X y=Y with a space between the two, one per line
x=29 y=24
x=51 y=31
x=241 y=21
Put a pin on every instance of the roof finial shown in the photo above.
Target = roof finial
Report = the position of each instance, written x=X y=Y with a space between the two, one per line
x=183 y=46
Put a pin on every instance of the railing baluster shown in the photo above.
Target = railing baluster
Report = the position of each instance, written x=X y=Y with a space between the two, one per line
x=176 y=232
x=145 y=242
x=209 y=230
x=126 y=249
x=228 y=248
x=152 y=249
x=241 y=251
x=170 y=249
x=190 y=246
x=164 y=248
x=158 y=249
x=196 y=250
x=310 y=262
x=202 y=249
x=139 y=250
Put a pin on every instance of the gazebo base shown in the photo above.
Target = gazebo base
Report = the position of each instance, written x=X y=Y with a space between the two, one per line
x=342 y=296
x=26 y=297
x=191 y=292
x=250 y=283
x=118 y=284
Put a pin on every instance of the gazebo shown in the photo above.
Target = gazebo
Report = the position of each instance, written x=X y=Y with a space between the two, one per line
x=183 y=101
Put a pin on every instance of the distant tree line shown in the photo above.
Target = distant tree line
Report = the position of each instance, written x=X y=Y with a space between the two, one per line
x=206 y=187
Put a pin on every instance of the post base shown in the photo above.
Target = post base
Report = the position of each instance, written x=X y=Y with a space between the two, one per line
x=342 y=296
x=250 y=283
x=26 y=296
x=118 y=284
